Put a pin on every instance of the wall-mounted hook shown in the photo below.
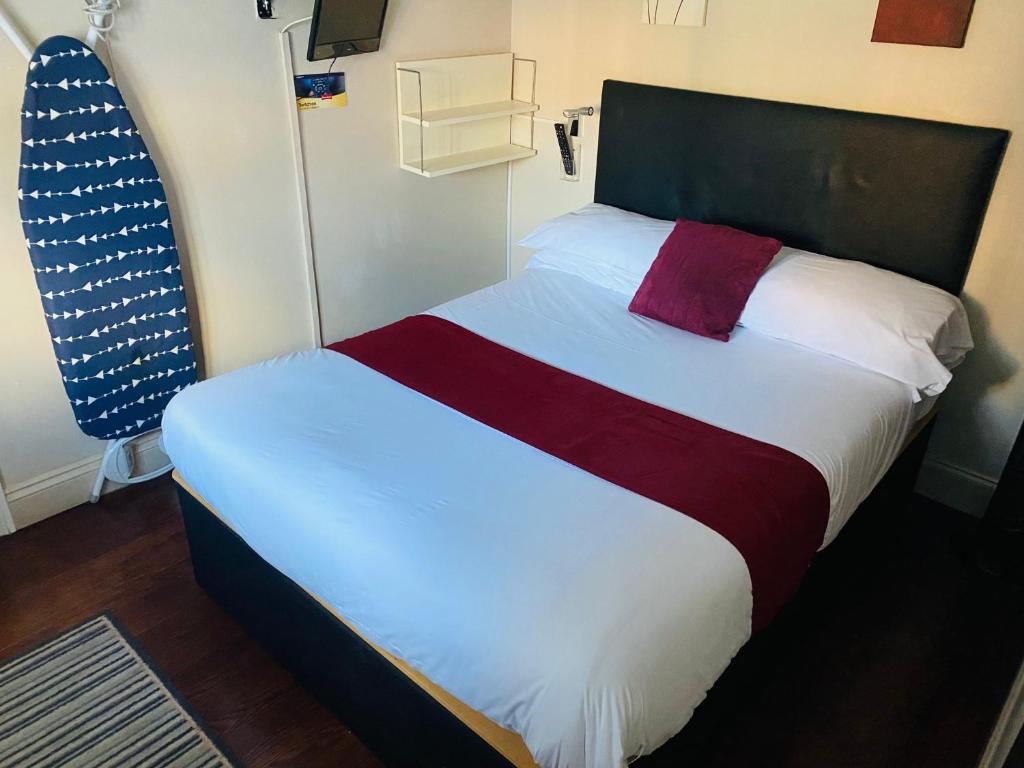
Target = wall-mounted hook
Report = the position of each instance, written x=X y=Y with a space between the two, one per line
x=101 y=15
x=265 y=9
x=569 y=142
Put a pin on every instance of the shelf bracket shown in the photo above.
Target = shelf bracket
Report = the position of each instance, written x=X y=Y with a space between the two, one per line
x=419 y=86
x=533 y=94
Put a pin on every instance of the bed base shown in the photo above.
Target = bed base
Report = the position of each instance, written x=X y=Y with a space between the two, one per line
x=400 y=723
x=398 y=720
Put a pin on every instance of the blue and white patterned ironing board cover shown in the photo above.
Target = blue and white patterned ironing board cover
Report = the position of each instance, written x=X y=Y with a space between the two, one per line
x=99 y=234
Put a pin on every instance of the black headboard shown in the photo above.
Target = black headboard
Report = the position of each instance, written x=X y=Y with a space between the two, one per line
x=908 y=195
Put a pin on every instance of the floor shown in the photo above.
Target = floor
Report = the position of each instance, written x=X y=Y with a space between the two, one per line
x=897 y=652
x=128 y=555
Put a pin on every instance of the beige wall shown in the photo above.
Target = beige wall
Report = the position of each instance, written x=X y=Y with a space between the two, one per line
x=819 y=52
x=205 y=82
x=390 y=242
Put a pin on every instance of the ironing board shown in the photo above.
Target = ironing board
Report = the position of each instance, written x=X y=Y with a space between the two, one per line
x=99 y=236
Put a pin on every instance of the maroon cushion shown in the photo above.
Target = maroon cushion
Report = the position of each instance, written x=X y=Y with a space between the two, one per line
x=702 y=278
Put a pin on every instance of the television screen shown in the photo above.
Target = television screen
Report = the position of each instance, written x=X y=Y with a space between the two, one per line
x=345 y=27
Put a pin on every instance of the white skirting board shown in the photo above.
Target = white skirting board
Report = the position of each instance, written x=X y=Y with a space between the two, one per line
x=65 y=487
x=955 y=486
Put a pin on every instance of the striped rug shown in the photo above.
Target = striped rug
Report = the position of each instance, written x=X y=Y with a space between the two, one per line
x=87 y=699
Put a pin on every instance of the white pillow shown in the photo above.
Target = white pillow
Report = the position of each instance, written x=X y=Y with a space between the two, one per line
x=900 y=327
x=592 y=270
x=602 y=244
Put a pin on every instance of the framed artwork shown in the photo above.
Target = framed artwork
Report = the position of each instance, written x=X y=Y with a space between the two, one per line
x=677 y=13
x=923 y=22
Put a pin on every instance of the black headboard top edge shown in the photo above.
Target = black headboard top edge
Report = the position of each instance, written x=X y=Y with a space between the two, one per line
x=901 y=193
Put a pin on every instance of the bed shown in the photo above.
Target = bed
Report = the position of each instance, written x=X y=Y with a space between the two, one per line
x=459 y=597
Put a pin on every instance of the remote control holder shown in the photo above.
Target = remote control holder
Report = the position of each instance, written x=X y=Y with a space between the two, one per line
x=572 y=128
x=568 y=151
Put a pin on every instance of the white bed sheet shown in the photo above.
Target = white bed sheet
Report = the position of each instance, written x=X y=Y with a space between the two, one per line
x=850 y=423
x=588 y=619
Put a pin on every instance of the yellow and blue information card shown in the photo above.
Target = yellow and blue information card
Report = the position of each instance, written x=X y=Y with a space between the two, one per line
x=320 y=91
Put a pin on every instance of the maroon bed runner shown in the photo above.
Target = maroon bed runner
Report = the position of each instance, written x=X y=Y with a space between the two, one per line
x=769 y=503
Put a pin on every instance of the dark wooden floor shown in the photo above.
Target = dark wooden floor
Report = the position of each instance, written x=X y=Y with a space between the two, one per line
x=128 y=555
x=897 y=652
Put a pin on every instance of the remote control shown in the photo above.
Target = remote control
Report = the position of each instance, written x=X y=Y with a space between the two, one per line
x=568 y=162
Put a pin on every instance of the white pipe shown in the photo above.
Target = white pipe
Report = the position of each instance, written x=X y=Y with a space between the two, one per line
x=302 y=190
x=11 y=30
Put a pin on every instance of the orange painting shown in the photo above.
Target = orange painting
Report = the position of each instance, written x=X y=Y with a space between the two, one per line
x=923 y=22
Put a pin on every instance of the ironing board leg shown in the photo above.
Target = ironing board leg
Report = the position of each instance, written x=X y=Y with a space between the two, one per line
x=101 y=474
x=118 y=464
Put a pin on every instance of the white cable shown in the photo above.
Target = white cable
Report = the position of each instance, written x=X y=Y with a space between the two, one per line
x=101 y=15
x=301 y=188
x=295 y=23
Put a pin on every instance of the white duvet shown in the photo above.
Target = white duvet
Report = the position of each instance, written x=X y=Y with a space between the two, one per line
x=590 y=620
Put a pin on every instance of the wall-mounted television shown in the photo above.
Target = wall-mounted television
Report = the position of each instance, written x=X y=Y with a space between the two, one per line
x=345 y=28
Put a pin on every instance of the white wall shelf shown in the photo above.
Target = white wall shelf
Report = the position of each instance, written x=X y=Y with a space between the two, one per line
x=467 y=161
x=471 y=113
x=455 y=114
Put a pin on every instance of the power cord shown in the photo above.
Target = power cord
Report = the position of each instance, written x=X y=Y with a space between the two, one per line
x=102 y=15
